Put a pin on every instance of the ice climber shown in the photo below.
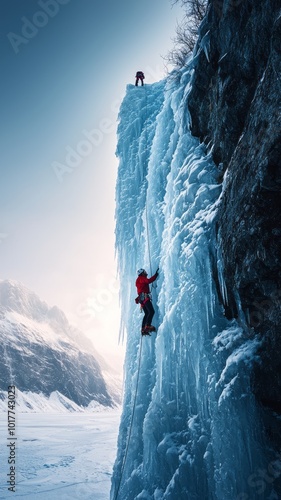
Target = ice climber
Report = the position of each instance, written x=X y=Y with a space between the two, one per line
x=139 y=76
x=144 y=299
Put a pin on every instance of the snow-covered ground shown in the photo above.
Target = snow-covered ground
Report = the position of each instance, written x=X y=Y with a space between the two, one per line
x=65 y=456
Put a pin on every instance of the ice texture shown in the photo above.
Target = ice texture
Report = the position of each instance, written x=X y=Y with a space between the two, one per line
x=196 y=431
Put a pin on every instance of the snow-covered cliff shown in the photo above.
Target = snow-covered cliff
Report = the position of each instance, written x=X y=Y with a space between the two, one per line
x=192 y=427
x=235 y=104
x=42 y=353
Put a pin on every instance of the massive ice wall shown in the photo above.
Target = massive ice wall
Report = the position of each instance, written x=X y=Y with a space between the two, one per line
x=190 y=428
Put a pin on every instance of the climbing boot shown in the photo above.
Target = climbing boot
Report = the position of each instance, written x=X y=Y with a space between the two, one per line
x=145 y=331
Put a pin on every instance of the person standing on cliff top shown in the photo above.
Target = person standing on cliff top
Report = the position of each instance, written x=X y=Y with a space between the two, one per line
x=139 y=76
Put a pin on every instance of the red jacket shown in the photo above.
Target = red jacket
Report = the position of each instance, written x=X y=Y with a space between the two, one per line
x=142 y=283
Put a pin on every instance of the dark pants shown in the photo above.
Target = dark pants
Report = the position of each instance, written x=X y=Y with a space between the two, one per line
x=148 y=313
x=137 y=80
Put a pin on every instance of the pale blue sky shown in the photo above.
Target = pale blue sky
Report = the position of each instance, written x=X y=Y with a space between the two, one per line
x=65 y=66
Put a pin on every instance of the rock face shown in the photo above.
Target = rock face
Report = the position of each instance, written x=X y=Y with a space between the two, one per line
x=199 y=416
x=235 y=105
x=41 y=353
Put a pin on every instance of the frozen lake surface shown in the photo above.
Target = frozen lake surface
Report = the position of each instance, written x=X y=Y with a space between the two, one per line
x=60 y=456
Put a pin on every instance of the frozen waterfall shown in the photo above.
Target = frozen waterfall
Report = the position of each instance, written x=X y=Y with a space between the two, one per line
x=196 y=432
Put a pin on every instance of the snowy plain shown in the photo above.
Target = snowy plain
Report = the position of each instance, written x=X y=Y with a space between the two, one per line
x=66 y=455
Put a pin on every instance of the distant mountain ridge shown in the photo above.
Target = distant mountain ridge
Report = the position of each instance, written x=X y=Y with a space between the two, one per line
x=30 y=402
x=41 y=352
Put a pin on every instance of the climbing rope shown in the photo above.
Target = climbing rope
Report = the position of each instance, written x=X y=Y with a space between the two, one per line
x=146 y=209
x=131 y=425
x=148 y=242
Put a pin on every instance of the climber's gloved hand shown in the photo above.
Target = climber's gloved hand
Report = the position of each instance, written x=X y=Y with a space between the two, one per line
x=157 y=271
